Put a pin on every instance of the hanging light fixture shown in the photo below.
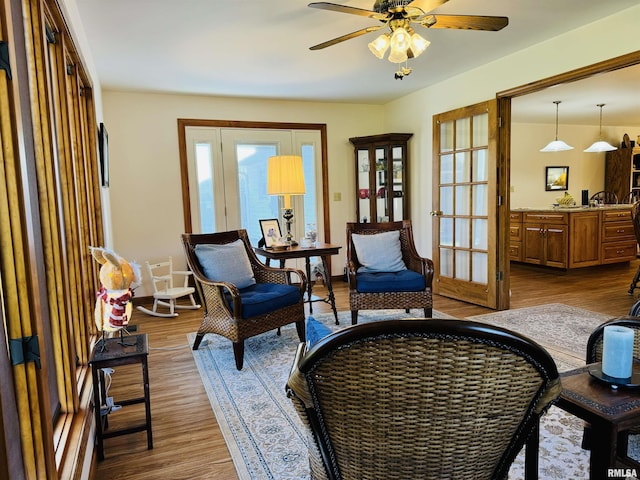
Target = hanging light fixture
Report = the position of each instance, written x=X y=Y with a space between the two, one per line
x=403 y=43
x=556 y=145
x=600 y=145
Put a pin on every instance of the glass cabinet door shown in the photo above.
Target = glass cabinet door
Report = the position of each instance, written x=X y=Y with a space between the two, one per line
x=364 y=185
x=381 y=177
x=397 y=183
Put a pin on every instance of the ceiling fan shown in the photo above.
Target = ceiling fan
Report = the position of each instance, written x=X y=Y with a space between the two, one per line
x=400 y=16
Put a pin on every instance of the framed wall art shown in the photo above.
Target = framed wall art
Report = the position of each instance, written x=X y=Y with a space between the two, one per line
x=556 y=178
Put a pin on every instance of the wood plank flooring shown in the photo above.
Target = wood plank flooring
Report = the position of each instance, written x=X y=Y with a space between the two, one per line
x=187 y=441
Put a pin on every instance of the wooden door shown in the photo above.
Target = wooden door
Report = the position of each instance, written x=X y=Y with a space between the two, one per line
x=465 y=201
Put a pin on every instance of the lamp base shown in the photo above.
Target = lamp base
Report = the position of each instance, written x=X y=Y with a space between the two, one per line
x=287 y=214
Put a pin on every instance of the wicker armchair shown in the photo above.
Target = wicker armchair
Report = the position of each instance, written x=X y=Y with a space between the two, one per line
x=385 y=295
x=594 y=354
x=422 y=398
x=240 y=313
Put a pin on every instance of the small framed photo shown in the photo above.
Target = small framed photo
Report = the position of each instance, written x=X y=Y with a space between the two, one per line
x=556 y=178
x=270 y=231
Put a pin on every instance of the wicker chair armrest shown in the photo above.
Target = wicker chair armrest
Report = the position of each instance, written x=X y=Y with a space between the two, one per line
x=423 y=266
x=351 y=275
x=550 y=395
x=284 y=276
x=219 y=287
x=297 y=384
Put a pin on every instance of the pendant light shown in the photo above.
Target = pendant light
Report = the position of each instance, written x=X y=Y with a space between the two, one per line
x=556 y=145
x=600 y=145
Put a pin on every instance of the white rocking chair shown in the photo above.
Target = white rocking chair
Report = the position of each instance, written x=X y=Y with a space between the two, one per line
x=165 y=294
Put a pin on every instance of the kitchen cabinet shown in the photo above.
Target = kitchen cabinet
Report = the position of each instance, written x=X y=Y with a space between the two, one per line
x=545 y=239
x=618 y=238
x=584 y=238
x=381 y=177
x=572 y=237
x=515 y=236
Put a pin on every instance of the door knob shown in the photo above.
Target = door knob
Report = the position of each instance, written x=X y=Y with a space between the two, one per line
x=436 y=213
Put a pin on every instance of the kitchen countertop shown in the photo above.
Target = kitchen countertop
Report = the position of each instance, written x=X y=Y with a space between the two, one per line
x=576 y=208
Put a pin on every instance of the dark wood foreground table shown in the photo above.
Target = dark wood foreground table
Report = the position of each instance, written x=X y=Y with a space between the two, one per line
x=322 y=250
x=608 y=410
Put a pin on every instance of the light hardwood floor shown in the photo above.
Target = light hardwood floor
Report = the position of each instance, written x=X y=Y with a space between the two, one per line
x=187 y=441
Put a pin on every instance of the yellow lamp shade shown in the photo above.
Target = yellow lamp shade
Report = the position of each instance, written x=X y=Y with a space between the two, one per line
x=285 y=176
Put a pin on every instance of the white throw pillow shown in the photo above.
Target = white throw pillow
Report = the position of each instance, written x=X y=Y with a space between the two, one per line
x=380 y=252
x=226 y=263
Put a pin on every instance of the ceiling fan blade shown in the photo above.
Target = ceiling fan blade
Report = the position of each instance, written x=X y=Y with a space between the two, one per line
x=334 y=7
x=348 y=36
x=425 y=5
x=466 y=22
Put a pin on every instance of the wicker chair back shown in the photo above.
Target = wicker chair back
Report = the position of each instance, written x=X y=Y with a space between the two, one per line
x=421 y=398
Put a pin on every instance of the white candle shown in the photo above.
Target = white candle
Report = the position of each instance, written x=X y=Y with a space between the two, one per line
x=617 y=351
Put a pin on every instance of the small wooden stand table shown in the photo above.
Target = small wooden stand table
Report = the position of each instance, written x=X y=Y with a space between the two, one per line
x=608 y=410
x=322 y=250
x=130 y=349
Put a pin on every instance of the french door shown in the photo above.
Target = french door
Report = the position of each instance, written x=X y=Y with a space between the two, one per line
x=228 y=178
x=465 y=205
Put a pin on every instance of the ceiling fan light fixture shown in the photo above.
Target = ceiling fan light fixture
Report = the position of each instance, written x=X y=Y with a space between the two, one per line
x=400 y=39
x=600 y=145
x=398 y=56
x=380 y=45
x=556 y=145
x=418 y=44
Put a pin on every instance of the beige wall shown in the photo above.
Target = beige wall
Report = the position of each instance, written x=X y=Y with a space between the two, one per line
x=586 y=170
x=611 y=37
x=145 y=190
x=144 y=200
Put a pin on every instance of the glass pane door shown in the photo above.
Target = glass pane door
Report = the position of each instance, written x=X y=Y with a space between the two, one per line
x=465 y=206
x=228 y=179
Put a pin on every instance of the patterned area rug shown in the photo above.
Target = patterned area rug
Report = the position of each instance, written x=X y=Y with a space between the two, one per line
x=264 y=434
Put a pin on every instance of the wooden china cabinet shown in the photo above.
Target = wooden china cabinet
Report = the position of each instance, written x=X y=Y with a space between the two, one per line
x=622 y=171
x=381 y=177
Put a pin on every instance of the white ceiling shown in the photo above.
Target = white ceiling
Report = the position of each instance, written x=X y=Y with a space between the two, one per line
x=260 y=48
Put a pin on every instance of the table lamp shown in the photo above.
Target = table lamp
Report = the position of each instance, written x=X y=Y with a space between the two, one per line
x=285 y=177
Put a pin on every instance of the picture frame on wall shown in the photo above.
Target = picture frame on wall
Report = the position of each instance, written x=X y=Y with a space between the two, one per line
x=103 y=153
x=556 y=178
x=271 y=232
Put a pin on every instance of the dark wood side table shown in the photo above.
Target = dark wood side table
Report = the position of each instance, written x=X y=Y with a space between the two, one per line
x=608 y=410
x=322 y=250
x=131 y=349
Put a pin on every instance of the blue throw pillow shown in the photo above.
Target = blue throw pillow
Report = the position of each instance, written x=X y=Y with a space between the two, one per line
x=379 y=252
x=315 y=331
x=226 y=263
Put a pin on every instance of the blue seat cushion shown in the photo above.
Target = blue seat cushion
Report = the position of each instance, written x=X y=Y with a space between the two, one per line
x=315 y=331
x=262 y=298
x=402 y=281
